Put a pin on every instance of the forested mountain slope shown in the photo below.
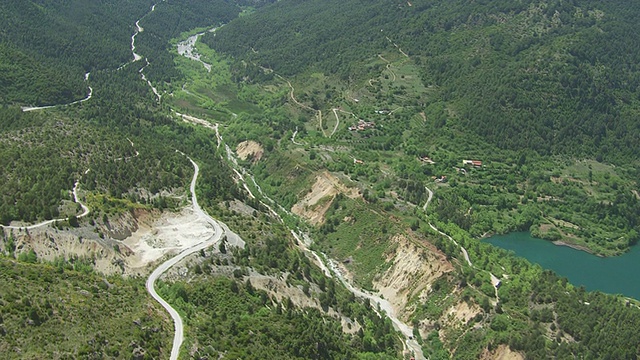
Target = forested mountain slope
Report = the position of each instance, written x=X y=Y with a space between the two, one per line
x=44 y=153
x=65 y=310
x=345 y=108
x=552 y=76
x=46 y=47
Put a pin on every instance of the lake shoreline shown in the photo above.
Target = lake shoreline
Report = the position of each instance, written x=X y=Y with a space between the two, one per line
x=577 y=247
x=608 y=274
x=574 y=246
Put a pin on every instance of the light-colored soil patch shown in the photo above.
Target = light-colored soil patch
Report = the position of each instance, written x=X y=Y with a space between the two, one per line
x=147 y=238
x=461 y=313
x=250 y=150
x=316 y=202
x=170 y=233
x=544 y=228
x=50 y=244
x=413 y=271
x=242 y=208
x=279 y=289
x=503 y=352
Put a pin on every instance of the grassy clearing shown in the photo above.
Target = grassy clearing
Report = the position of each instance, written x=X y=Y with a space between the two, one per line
x=209 y=93
x=102 y=203
x=284 y=171
x=355 y=231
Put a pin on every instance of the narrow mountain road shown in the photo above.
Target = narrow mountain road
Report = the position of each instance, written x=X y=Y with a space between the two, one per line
x=291 y=94
x=293 y=138
x=388 y=67
x=397 y=47
x=426 y=204
x=335 y=128
x=293 y=98
x=464 y=251
x=201 y=122
x=320 y=120
x=495 y=282
x=124 y=158
x=85 y=212
x=178 y=336
x=89 y=95
x=85 y=209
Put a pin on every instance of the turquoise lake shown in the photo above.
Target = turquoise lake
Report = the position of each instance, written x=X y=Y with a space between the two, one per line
x=614 y=275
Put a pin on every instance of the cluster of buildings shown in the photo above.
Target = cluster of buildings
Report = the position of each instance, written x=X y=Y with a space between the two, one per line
x=362 y=125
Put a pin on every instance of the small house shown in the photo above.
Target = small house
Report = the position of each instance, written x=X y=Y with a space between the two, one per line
x=426 y=159
x=474 y=163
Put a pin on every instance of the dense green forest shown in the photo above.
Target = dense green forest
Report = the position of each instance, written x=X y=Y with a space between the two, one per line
x=46 y=47
x=38 y=178
x=98 y=135
x=67 y=311
x=519 y=187
x=241 y=322
x=552 y=76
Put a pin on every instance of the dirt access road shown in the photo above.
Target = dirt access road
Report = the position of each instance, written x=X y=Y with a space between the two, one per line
x=495 y=282
x=89 y=95
x=85 y=212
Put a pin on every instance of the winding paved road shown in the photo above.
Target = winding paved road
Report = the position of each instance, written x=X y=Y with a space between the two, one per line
x=178 y=336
